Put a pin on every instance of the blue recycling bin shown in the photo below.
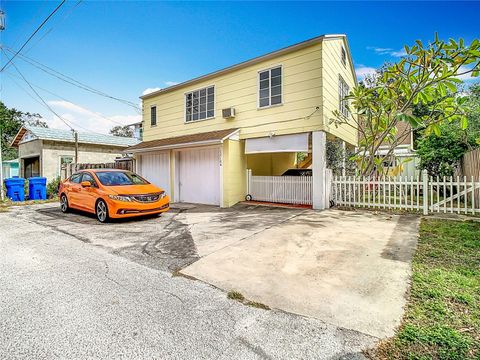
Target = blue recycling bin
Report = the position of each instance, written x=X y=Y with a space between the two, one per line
x=37 y=188
x=15 y=189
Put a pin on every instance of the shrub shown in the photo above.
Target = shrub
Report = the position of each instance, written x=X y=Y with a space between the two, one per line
x=52 y=187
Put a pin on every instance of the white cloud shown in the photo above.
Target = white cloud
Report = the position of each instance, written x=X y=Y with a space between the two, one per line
x=83 y=119
x=398 y=53
x=387 y=51
x=150 y=90
x=465 y=77
x=171 y=83
x=362 y=71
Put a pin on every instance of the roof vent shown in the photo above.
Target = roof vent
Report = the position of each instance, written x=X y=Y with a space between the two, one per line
x=228 y=113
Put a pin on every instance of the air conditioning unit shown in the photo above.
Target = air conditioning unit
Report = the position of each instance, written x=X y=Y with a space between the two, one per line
x=228 y=113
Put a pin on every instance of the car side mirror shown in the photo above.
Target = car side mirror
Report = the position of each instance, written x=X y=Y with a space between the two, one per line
x=86 y=183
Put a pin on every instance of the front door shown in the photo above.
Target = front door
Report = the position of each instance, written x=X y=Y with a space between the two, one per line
x=31 y=167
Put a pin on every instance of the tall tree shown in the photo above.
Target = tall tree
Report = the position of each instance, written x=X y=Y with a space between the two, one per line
x=427 y=77
x=124 y=131
x=440 y=154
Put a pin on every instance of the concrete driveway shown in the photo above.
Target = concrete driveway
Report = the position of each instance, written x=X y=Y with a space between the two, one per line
x=169 y=242
x=350 y=269
x=347 y=272
x=66 y=294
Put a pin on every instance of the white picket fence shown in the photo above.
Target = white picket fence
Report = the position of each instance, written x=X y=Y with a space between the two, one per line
x=428 y=194
x=280 y=189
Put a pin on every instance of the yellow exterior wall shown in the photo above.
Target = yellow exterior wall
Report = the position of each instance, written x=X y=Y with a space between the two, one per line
x=234 y=172
x=270 y=164
x=332 y=67
x=302 y=93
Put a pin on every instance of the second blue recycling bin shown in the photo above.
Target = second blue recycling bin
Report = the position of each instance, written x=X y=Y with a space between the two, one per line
x=37 y=188
x=15 y=189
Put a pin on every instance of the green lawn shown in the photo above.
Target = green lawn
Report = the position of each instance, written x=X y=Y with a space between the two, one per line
x=442 y=318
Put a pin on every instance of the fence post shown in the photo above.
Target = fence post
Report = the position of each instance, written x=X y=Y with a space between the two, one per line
x=425 y=192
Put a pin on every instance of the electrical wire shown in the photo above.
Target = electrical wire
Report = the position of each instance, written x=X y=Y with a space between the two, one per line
x=72 y=81
x=33 y=34
x=64 y=99
x=36 y=93
x=61 y=21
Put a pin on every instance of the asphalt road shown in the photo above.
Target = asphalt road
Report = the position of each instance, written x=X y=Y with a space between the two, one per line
x=62 y=298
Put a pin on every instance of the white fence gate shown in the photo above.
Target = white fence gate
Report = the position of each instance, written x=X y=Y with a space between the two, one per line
x=280 y=189
x=428 y=194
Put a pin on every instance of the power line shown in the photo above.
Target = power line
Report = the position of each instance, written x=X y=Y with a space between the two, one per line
x=33 y=34
x=71 y=80
x=63 y=98
x=36 y=93
x=32 y=19
x=65 y=16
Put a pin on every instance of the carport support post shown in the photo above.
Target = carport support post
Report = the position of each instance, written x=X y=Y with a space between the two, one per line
x=319 y=164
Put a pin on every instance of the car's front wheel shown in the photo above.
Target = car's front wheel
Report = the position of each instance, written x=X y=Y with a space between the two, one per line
x=64 y=203
x=102 y=211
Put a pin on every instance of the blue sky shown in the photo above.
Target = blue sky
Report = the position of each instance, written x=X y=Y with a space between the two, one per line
x=124 y=48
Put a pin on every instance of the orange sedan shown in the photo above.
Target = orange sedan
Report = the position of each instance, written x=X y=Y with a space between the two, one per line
x=112 y=194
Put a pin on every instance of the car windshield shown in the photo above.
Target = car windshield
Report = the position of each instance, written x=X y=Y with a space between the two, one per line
x=118 y=178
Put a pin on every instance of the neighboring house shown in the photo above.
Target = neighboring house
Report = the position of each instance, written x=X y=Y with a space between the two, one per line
x=43 y=151
x=202 y=135
x=404 y=161
x=10 y=168
x=137 y=130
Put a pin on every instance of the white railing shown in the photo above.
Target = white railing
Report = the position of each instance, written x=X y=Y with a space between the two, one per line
x=280 y=189
x=428 y=194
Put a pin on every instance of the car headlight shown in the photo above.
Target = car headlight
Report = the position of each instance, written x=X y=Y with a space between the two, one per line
x=120 y=198
x=162 y=195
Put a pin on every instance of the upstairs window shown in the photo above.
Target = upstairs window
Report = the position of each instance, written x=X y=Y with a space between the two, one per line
x=343 y=56
x=153 y=116
x=200 y=104
x=343 y=91
x=270 y=87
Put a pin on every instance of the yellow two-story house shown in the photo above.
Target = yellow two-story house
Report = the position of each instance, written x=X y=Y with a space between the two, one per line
x=201 y=136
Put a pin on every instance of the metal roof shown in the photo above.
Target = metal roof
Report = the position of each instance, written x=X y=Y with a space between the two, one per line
x=67 y=136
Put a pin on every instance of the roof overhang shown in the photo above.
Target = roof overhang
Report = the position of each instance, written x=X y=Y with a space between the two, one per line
x=271 y=55
x=20 y=134
x=187 y=141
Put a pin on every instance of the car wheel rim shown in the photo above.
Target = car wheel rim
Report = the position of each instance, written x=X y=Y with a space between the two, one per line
x=64 y=203
x=101 y=211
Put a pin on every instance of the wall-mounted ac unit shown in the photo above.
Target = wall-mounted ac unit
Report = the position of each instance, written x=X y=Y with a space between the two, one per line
x=228 y=113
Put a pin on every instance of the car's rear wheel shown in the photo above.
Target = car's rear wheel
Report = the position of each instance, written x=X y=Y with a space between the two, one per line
x=102 y=211
x=64 y=203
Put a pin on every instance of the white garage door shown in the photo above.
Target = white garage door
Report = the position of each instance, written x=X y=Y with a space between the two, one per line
x=155 y=167
x=199 y=176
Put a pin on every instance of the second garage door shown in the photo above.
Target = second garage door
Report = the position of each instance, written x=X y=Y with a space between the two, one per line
x=199 y=176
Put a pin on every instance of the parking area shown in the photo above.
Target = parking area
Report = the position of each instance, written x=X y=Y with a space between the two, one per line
x=346 y=269
x=170 y=241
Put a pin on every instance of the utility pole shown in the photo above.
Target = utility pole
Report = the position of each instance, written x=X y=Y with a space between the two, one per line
x=2 y=194
x=75 y=135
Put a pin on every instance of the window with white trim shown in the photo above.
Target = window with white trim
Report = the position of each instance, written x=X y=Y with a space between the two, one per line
x=343 y=91
x=200 y=104
x=270 y=87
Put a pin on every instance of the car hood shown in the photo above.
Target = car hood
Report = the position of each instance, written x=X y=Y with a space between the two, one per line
x=134 y=189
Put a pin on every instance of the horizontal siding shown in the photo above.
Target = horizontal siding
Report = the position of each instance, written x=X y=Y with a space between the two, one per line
x=302 y=92
x=332 y=68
